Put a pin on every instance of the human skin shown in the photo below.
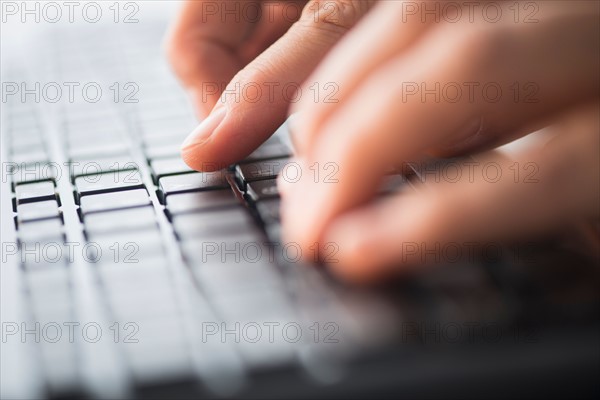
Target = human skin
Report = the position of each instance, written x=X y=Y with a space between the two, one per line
x=374 y=53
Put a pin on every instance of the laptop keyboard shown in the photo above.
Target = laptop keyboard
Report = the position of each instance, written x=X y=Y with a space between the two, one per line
x=164 y=253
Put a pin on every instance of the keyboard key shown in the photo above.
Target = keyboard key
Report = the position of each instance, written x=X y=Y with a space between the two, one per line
x=33 y=172
x=193 y=182
x=120 y=220
x=267 y=152
x=213 y=222
x=109 y=182
x=260 y=170
x=233 y=278
x=38 y=210
x=114 y=200
x=109 y=148
x=169 y=166
x=35 y=231
x=128 y=248
x=268 y=210
x=163 y=151
x=262 y=190
x=38 y=191
x=200 y=201
x=98 y=165
x=33 y=155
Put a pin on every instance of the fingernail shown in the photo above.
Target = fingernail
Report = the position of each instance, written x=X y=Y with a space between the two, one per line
x=201 y=134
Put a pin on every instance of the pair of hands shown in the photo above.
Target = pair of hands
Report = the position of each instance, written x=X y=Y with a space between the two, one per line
x=380 y=84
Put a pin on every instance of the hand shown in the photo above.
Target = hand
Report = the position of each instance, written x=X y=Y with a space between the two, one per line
x=544 y=70
x=262 y=51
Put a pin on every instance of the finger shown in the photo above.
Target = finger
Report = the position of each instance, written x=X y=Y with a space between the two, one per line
x=257 y=98
x=494 y=50
x=362 y=137
x=391 y=28
x=210 y=42
x=541 y=191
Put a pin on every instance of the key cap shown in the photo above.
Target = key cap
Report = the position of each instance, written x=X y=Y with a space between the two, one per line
x=112 y=148
x=193 y=182
x=35 y=231
x=128 y=248
x=169 y=166
x=200 y=201
x=38 y=210
x=268 y=152
x=109 y=182
x=259 y=170
x=38 y=191
x=44 y=255
x=114 y=200
x=268 y=210
x=163 y=151
x=120 y=220
x=224 y=248
x=35 y=155
x=232 y=278
x=98 y=165
x=262 y=190
x=213 y=222
x=25 y=173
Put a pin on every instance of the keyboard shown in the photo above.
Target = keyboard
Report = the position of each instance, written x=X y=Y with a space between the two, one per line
x=176 y=282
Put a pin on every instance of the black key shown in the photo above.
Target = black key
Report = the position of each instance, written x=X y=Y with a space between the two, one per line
x=99 y=165
x=260 y=170
x=193 y=182
x=38 y=210
x=267 y=152
x=38 y=191
x=268 y=210
x=169 y=166
x=114 y=200
x=214 y=222
x=109 y=182
x=262 y=190
x=198 y=201
x=35 y=231
x=120 y=220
